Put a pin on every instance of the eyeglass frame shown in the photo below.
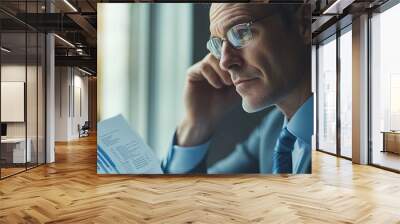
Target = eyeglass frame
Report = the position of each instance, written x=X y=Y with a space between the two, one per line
x=248 y=25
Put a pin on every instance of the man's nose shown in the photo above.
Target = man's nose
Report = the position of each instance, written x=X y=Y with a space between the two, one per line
x=230 y=57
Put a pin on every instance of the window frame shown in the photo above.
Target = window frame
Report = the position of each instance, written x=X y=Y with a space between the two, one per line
x=333 y=37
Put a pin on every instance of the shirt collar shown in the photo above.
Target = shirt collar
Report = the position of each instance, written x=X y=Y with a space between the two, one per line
x=302 y=123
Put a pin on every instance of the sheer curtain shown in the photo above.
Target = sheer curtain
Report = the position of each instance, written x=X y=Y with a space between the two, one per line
x=144 y=51
x=171 y=55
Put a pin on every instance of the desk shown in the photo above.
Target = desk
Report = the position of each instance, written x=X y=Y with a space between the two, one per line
x=391 y=141
x=17 y=149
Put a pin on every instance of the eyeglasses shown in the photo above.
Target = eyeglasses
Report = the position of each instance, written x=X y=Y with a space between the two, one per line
x=238 y=36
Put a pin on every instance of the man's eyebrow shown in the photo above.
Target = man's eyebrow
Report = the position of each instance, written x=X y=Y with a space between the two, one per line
x=235 y=21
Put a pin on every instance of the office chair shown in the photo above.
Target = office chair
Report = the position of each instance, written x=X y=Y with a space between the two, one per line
x=84 y=130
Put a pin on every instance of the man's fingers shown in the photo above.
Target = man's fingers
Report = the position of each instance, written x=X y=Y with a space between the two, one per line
x=212 y=77
x=195 y=73
x=208 y=69
x=224 y=75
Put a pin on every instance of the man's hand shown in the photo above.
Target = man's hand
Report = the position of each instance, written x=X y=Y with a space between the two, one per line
x=209 y=94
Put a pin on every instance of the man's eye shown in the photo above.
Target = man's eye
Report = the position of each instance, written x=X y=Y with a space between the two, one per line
x=238 y=36
x=243 y=34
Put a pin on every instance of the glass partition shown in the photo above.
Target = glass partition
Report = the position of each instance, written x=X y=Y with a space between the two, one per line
x=31 y=86
x=23 y=91
x=31 y=99
x=14 y=152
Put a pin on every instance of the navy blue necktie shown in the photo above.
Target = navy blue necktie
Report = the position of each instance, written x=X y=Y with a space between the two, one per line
x=282 y=156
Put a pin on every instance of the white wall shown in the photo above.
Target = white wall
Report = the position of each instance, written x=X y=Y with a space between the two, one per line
x=80 y=103
x=70 y=84
x=61 y=103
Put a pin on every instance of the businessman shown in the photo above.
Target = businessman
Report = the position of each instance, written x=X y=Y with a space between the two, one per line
x=259 y=55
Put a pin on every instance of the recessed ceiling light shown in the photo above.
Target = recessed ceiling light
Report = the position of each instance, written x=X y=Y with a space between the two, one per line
x=5 y=50
x=84 y=71
x=65 y=41
x=338 y=6
x=70 y=5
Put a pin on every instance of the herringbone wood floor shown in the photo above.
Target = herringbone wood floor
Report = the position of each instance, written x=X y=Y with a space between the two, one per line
x=70 y=191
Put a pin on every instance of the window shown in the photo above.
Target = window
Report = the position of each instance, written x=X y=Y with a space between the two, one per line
x=385 y=88
x=334 y=81
x=327 y=96
x=346 y=93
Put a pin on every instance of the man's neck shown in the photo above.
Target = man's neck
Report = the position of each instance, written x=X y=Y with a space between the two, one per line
x=294 y=100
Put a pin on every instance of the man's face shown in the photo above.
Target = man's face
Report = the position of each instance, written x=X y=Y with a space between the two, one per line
x=270 y=65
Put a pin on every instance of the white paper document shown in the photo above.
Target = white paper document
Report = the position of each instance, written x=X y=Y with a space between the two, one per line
x=120 y=150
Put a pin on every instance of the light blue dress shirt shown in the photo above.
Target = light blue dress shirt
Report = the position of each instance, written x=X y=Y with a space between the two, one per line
x=255 y=154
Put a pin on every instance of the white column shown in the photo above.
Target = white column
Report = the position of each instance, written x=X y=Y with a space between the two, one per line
x=50 y=92
x=50 y=99
x=360 y=90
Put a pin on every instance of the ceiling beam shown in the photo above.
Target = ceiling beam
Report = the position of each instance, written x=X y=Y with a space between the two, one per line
x=85 y=61
x=337 y=7
x=84 y=24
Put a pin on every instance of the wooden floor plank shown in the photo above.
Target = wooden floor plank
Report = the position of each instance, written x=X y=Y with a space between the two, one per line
x=70 y=191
